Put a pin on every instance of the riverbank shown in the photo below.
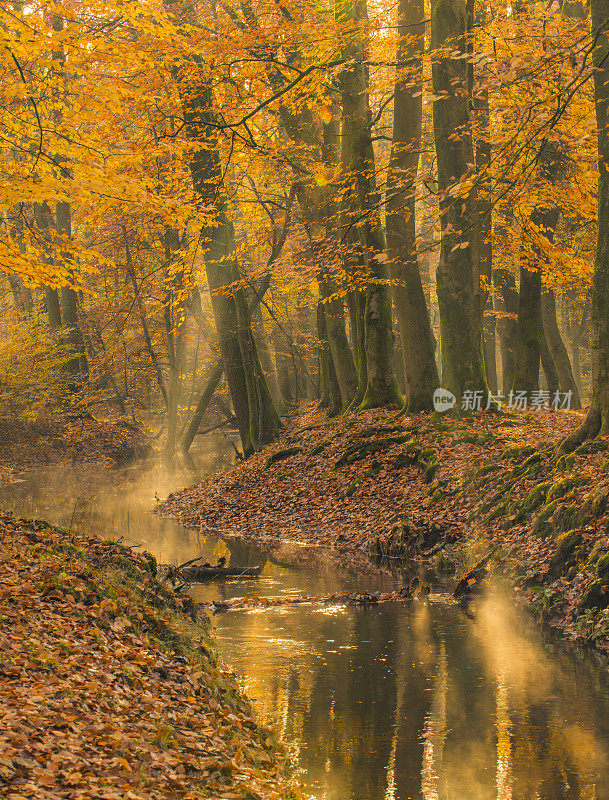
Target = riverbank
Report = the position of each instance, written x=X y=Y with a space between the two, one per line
x=435 y=494
x=109 y=685
x=34 y=443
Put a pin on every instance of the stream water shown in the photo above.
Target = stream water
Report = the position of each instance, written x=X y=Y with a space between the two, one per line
x=387 y=703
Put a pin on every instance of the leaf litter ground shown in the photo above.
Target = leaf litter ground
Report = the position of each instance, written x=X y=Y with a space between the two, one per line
x=108 y=685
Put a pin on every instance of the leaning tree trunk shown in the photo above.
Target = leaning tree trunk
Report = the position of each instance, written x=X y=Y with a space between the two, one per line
x=362 y=231
x=460 y=334
x=247 y=384
x=416 y=336
x=248 y=387
x=597 y=420
x=557 y=349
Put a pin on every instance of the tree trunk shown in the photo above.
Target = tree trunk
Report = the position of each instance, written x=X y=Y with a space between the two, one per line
x=264 y=352
x=363 y=233
x=331 y=397
x=247 y=385
x=528 y=346
x=484 y=241
x=173 y=318
x=507 y=325
x=340 y=350
x=460 y=339
x=549 y=367
x=597 y=419
x=557 y=349
x=416 y=337
x=77 y=364
x=144 y=322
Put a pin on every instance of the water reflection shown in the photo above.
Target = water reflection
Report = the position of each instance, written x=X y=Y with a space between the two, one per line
x=396 y=702
x=421 y=702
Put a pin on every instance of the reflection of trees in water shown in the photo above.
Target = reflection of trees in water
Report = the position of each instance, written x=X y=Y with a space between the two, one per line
x=545 y=740
x=427 y=705
x=433 y=780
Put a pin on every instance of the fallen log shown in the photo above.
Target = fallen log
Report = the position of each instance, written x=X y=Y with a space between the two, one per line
x=202 y=573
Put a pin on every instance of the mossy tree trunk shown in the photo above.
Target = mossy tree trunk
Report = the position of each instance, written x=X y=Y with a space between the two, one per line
x=460 y=333
x=597 y=419
x=363 y=234
x=416 y=336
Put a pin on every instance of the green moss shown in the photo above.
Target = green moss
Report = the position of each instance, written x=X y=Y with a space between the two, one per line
x=319 y=448
x=592 y=446
x=430 y=471
x=542 y=524
x=566 y=546
x=532 y=501
x=602 y=568
x=562 y=487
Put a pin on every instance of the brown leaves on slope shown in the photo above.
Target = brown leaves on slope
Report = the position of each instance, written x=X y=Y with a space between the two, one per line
x=333 y=495
x=107 y=690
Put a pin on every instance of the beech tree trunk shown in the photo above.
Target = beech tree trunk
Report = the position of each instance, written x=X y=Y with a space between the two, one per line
x=597 y=419
x=557 y=349
x=528 y=345
x=362 y=230
x=330 y=389
x=549 y=367
x=416 y=336
x=460 y=339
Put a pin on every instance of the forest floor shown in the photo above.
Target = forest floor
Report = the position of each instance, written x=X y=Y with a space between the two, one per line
x=32 y=443
x=108 y=685
x=436 y=494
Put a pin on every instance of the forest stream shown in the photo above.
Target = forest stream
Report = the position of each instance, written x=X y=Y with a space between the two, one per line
x=396 y=701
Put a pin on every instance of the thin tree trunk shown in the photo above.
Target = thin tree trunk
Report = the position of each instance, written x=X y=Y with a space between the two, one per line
x=340 y=350
x=77 y=364
x=416 y=337
x=143 y=321
x=330 y=396
x=506 y=304
x=528 y=347
x=215 y=377
x=549 y=367
x=173 y=318
x=211 y=385
x=265 y=355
